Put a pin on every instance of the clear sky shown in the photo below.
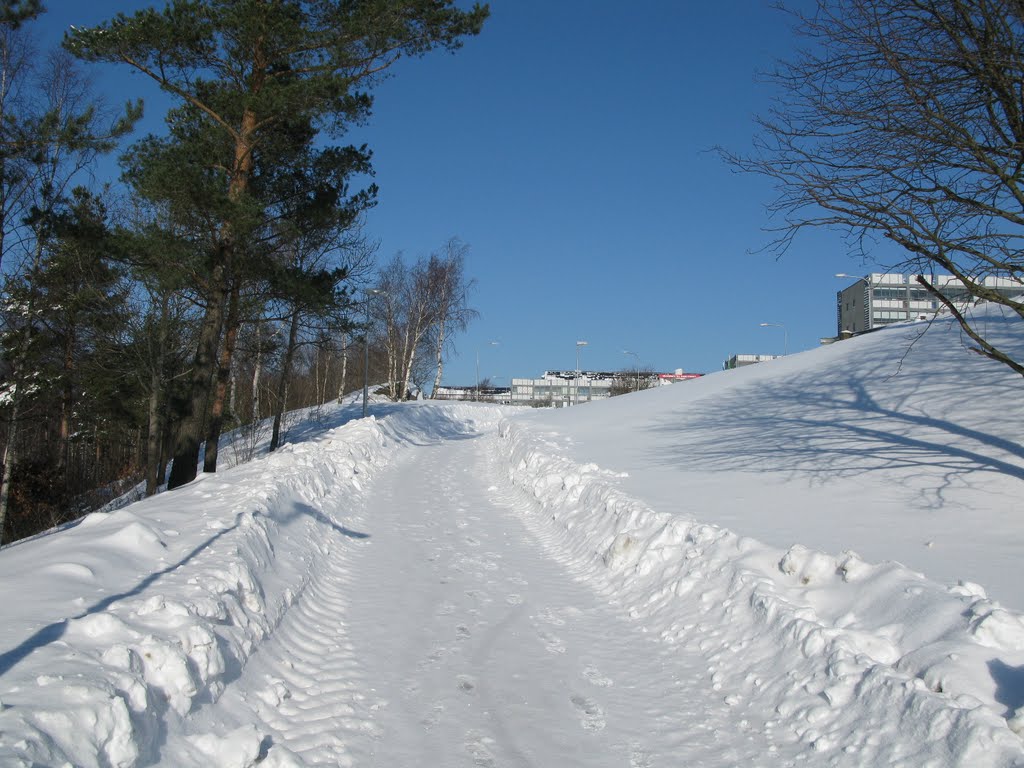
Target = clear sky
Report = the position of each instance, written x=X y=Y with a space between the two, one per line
x=570 y=146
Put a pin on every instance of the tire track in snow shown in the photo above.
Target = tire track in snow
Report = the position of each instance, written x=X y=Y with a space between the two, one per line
x=303 y=687
x=493 y=654
x=449 y=638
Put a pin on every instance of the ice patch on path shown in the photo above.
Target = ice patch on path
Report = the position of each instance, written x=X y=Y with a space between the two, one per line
x=870 y=661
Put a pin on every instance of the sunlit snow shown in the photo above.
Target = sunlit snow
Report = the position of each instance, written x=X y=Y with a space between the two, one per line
x=811 y=561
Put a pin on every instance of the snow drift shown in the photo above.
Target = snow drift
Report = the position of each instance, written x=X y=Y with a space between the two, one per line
x=118 y=628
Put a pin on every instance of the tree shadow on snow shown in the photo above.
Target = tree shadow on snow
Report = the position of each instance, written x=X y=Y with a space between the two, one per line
x=1009 y=685
x=842 y=422
x=54 y=631
x=300 y=508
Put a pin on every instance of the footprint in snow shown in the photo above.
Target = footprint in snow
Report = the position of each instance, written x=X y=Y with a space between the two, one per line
x=433 y=717
x=594 y=677
x=551 y=642
x=590 y=714
x=433 y=657
x=476 y=746
x=549 y=616
x=639 y=758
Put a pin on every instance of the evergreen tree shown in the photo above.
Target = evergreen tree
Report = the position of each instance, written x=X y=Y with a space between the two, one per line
x=246 y=66
x=65 y=341
x=14 y=12
x=50 y=130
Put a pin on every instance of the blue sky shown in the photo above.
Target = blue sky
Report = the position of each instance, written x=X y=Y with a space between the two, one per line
x=570 y=146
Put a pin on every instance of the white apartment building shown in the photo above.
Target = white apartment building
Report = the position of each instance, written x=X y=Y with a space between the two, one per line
x=481 y=394
x=739 y=361
x=882 y=298
x=558 y=389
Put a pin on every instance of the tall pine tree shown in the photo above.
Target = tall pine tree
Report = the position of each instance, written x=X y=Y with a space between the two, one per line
x=245 y=66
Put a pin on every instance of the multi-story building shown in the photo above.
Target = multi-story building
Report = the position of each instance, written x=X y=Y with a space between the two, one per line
x=882 y=298
x=482 y=394
x=561 y=388
x=558 y=389
x=739 y=361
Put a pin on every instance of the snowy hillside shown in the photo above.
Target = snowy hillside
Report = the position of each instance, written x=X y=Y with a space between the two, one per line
x=812 y=561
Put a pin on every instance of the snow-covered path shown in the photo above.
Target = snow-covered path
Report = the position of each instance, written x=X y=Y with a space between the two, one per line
x=462 y=584
x=439 y=634
x=502 y=658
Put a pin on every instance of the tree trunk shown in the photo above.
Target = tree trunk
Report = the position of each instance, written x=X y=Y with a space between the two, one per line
x=9 y=457
x=221 y=387
x=186 y=453
x=153 y=439
x=408 y=372
x=344 y=366
x=256 y=372
x=439 y=359
x=282 y=384
x=17 y=375
x=190 y=432
x=167 y=441
x=66 y=407
x=233 y=397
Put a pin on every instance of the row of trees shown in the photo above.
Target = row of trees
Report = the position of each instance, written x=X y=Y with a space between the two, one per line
x=419 y=308
x=219 y=283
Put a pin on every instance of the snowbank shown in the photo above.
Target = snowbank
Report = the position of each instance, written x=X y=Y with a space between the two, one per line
x=205 y=574
x=832 y=645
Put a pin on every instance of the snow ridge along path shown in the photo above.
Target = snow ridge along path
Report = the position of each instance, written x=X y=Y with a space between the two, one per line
x=443 y=587
x=446 y=636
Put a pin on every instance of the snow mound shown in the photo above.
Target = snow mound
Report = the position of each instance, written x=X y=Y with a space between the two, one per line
x=98 y=671
x=833 y=645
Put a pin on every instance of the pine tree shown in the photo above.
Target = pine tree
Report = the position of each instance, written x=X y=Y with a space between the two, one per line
x=246 y=66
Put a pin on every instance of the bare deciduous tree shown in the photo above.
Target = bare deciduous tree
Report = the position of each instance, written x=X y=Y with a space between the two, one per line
x=449 y=284
x=904 y=120
x=633 y=380
x=419 y=307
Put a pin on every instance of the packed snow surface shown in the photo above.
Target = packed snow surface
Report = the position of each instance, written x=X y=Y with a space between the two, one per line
x=812 y=561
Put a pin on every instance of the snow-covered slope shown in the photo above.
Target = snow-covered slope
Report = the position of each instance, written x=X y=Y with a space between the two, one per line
x=898 y=445
x=716 y=516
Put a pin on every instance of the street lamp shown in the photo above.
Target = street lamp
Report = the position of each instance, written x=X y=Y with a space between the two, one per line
x=578 y=345
x=366 y=344
x=492 y=344
x=637 y=369
x=785 y=334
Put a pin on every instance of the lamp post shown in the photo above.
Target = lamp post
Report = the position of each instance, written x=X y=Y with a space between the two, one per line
x=579 y=344
x=366 y=345
x=477 y=387
x=636 y=369
x=785 y=335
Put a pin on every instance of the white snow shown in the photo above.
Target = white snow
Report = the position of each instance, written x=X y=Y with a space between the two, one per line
x=809 y=561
